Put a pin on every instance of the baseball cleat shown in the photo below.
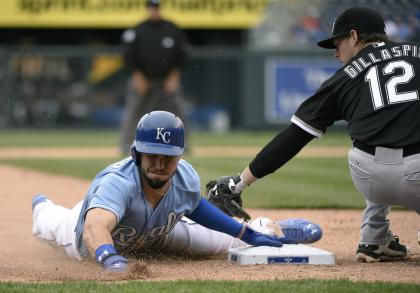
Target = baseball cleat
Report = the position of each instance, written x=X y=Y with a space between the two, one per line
x=293 y=231
x=300 y=231
x=393 y=251
x=37 y=199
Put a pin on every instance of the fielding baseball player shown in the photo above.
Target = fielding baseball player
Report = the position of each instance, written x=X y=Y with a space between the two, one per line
x=377 y=93
x=139 y=203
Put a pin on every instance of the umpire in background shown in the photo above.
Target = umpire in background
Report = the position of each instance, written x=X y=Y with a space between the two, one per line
x=155 y=52
x=377 y=93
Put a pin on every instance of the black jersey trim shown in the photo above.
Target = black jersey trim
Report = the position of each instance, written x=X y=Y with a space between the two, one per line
x=305 y=126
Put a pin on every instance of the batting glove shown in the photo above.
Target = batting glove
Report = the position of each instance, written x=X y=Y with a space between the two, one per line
x=255 y=238
x=116 y=263
x=107 y=256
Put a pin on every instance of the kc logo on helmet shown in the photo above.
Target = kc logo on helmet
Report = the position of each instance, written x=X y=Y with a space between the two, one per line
x=162 y=135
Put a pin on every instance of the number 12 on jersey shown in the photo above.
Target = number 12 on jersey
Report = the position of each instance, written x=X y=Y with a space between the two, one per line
x=392 y=94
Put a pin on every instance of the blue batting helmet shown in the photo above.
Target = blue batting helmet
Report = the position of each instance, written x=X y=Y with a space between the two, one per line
x=159 y=132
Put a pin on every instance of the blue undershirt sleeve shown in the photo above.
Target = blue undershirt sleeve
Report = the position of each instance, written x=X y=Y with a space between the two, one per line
x=211 y=217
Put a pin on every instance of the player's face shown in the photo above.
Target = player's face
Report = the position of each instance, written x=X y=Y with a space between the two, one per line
x=345 y=48
x=158 y=169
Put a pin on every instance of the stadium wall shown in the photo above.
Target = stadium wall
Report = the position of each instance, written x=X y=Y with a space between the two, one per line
x=82 y=86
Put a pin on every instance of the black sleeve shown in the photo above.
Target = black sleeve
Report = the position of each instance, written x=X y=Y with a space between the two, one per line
x=129 y=57
x=182 y=47
x=279 y=151
x=129 y=54
x=130 y=46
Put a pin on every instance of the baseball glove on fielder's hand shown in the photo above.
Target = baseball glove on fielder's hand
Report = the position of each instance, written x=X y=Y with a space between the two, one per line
x=219 y=194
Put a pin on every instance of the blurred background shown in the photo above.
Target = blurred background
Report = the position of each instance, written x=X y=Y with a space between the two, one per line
x=251 y=62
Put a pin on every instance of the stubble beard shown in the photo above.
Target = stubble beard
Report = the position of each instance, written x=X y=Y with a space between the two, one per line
x=155 y=184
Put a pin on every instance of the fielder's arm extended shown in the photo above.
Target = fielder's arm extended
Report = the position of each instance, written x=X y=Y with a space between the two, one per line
x=275 y=154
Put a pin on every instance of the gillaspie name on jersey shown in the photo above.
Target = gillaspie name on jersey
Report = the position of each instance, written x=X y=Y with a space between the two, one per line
x=359 y=64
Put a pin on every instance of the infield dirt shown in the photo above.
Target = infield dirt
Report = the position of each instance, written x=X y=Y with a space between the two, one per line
x=25 y=259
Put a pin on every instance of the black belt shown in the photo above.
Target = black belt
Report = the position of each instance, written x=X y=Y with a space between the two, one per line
x=407 y=151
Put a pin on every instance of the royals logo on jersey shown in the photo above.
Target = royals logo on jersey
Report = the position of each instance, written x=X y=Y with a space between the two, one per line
x=125 y=235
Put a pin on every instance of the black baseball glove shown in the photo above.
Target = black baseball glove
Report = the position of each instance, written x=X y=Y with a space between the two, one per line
x=221 y=195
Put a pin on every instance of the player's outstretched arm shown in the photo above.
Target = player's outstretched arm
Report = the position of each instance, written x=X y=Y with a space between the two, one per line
x=211 y=217
x=97 y=237
x=275 y=154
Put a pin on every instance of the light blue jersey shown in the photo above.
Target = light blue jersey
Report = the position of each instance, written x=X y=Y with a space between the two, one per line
x=118 y=190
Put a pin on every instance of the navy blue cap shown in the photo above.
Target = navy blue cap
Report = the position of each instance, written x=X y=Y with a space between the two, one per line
x=360 y=19
x=160 y=132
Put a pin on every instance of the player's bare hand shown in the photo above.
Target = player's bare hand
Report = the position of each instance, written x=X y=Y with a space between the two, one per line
x=140 y=82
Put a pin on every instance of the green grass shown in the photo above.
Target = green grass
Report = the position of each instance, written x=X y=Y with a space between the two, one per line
x=90 y=137
x=214 y=286
x=80 y=168
x=260 y=138
x=302 y=183
x=57 y=138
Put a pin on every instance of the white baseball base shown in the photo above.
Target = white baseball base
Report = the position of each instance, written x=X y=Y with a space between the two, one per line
x=288 y=254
